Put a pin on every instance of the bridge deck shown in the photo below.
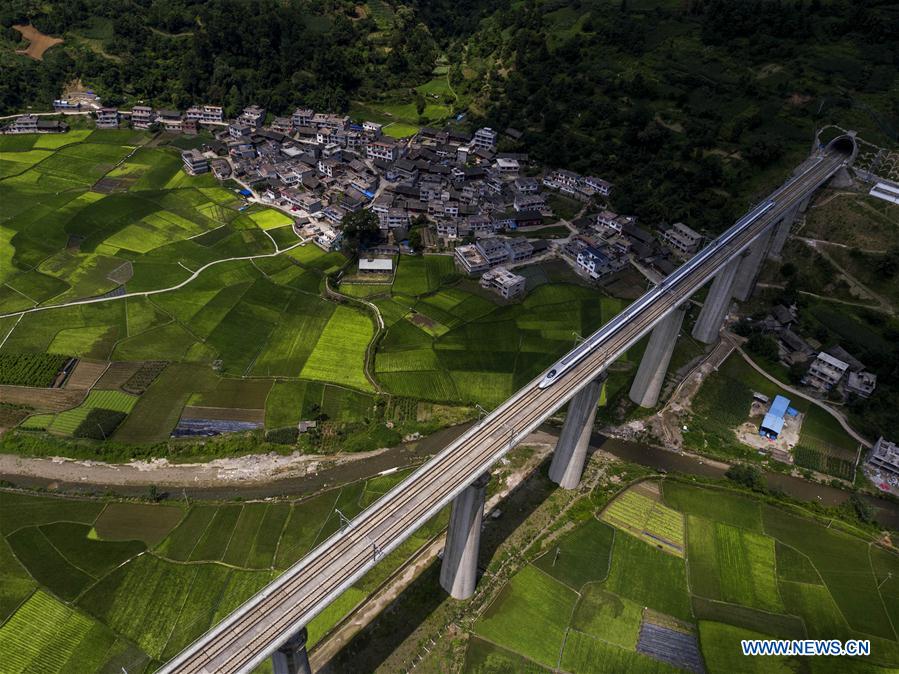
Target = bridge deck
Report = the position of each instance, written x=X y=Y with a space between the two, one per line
x=258 y=627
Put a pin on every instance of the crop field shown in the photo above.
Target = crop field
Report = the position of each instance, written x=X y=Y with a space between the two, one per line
x=137 y=522
x=755 y=571
x=581 y=556
x=343 y=340
x=844 y=566
x=529 y=616
x=30 y=369
x=739 y=564
x=45 y=635
x=479 y=352
x=131 y=604
x=67 y=422
x=651 y=521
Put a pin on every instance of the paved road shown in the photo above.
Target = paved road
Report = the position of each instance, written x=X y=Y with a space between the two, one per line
x=250 y=634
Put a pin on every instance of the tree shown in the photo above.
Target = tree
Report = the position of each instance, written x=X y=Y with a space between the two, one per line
x=415 y=239
x=763 y=346
x=360 y=230
x=747 y=476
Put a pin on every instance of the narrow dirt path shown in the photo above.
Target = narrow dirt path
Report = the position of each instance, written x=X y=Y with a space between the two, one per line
x=853 y=281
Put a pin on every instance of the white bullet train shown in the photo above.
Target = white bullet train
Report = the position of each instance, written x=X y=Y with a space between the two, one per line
x=575 y=355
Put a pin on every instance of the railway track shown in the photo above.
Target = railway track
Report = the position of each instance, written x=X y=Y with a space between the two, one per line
x=252 y=632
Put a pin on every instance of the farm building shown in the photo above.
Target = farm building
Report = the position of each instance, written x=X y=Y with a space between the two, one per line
x=773 y=422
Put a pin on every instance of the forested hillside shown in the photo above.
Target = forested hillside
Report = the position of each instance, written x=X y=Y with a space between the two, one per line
x=178 y=52
x=684 y=104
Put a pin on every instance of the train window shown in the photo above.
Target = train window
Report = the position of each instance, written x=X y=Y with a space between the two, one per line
x=551 y=374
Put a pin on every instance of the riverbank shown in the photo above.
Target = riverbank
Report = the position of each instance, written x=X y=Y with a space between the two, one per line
x=258 y=477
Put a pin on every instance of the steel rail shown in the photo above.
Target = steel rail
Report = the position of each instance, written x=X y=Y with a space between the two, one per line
x=253 y=631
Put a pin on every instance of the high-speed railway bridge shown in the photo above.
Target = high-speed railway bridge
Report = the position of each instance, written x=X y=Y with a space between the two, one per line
x=272 y=622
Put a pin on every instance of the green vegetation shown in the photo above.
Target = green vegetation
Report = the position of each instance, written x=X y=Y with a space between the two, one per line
x=143 y=580
x=45 y=635
x=653 y=522
x=529 y=616
x=698 y=106
x=581 y=556
x=450 y=344
x=755 y=571
x=30 y=369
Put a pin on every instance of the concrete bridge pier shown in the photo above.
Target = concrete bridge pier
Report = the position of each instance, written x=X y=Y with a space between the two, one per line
x=750 y=267
x=459 y=571
x=654 y=364
x=717 y=303
x=291 y=657
x=571 y=449
x=780 y=233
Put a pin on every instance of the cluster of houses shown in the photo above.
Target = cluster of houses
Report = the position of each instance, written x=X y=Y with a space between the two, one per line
x=34 y=124
x=321 y=166
x=833 y=371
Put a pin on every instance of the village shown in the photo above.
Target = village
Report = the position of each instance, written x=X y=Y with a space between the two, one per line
x=492 y=210
x=451 y=192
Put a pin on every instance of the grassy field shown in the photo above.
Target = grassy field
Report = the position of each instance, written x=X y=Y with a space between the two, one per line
x=750 y=570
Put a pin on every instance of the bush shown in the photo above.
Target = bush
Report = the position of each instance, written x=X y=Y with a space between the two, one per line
x=283 y=436
x=747 y=476
x=99 y=424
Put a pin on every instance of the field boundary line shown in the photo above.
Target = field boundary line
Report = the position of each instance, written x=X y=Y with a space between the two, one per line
x=883 y=603
x=180 y=612
x=60 y=553
x=14 y=326
x=15 y=290
x=147 y=293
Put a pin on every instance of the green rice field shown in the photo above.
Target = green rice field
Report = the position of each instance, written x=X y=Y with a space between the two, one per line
x=748 y=570
x=90 y=586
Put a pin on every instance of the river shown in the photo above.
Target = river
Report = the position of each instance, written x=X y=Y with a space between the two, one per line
x=404 y=456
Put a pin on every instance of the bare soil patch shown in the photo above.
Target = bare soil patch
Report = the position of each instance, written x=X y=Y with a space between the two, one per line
x=38 y=43
x=117 y=374
x=423 y=321
x=86 y=374
x=121 y=274
x=42 y=399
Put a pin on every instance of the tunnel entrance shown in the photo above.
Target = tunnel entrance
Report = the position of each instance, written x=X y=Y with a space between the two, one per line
x=844 y=144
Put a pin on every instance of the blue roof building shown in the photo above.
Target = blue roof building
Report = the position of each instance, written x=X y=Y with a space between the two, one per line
x=773 y=422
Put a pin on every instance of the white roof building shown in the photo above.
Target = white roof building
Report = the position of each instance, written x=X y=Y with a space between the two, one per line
x=376 y=265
